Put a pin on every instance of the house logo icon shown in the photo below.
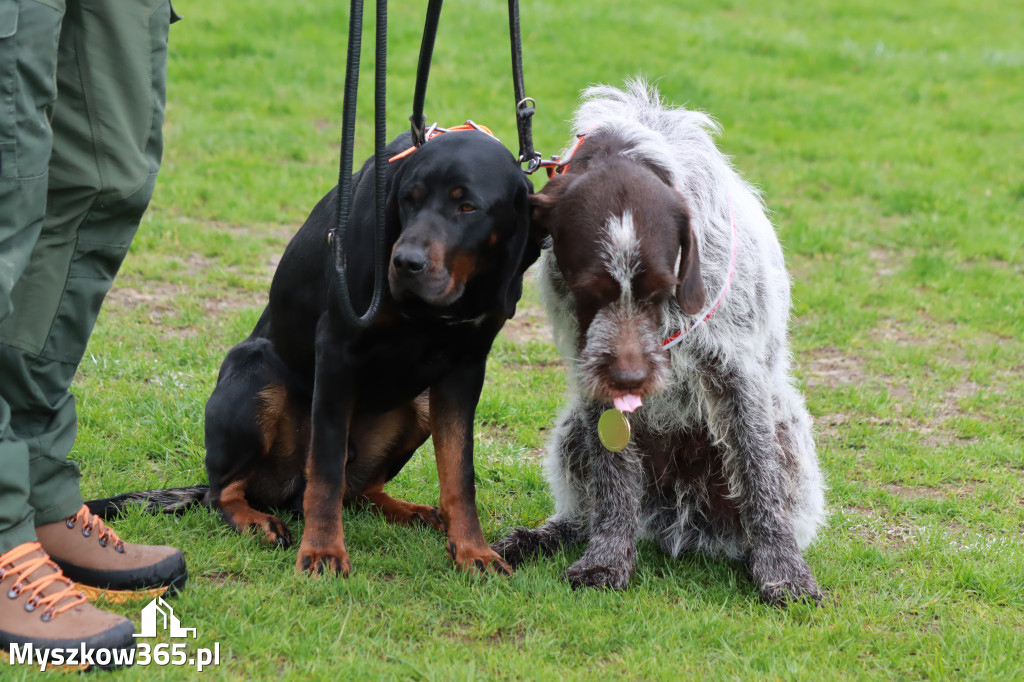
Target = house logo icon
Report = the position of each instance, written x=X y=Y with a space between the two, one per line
x=160 y=611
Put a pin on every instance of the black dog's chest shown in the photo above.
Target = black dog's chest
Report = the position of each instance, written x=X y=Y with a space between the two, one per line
x=394 y=367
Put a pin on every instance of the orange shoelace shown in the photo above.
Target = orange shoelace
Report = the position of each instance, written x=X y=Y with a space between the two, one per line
x=9 y=566
x=92 y=522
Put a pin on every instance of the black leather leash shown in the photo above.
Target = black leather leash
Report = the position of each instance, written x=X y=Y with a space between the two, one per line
x=348 y=133
x=417 y=119
x=525 y=108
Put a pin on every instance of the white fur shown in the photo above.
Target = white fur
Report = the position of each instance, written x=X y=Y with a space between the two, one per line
x=621 y=252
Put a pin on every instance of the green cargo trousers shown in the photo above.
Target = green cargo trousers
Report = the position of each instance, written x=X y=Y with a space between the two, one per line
x=82 y=92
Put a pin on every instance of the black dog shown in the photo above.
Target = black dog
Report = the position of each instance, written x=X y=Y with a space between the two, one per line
x=308 y=413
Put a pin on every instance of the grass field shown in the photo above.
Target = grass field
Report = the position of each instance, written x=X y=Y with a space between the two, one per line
x=888 y=142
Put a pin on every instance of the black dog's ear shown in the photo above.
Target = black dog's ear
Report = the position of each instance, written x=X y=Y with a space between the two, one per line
x=521 y=251
x=690 y=289
x=392 y=220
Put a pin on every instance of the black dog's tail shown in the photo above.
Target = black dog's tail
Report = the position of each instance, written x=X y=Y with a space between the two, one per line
x=169 y=501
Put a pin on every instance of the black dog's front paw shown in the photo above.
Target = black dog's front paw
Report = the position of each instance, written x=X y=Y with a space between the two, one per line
x=332 y=561
x=784 y=578
x=518 y=546
x=582 y=574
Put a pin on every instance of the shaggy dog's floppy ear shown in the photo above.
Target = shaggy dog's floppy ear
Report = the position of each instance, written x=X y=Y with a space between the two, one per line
x=543 y=204
x=690 y=289
x=521 y=250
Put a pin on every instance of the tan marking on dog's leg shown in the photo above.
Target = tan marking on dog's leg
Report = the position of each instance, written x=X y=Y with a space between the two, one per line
x=242 y=517
x=466 y=544
x=401 y=512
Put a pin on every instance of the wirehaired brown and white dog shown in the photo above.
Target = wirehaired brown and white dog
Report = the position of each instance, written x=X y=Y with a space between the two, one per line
x=653 y=233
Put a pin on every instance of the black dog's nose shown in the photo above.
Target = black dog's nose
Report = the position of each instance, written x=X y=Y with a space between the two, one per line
x=409 y=260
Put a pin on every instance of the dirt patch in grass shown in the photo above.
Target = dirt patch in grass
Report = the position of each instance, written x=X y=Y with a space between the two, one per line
x=965 y=490
x=529 y=324
x=508 y=636
x=886 y=261
x=941 y=336
x=888 y=531
x=158 y=297
x=933 y=433
x=161 y=300
x=225 y=577
x=891 y=531
x=282 y=230
x=878 y=530
x=832 y=368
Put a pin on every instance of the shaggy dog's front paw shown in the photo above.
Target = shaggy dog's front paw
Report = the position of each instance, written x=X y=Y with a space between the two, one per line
x=784 y=578
x=517 y=546
x=583 y=574
x=802 y=589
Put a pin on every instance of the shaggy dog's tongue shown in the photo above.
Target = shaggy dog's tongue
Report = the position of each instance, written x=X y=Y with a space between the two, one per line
x=627 y=403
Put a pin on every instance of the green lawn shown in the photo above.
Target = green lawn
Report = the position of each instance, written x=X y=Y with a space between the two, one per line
x=888 y=142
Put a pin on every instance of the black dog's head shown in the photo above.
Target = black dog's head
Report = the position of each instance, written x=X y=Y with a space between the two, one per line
x=460 y=207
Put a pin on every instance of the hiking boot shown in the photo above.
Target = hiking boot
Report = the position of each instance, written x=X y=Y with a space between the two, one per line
x=102 y=564
x=41 y=607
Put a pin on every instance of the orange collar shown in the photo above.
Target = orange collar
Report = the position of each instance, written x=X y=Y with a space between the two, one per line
x=556 y=166
x=435 y=130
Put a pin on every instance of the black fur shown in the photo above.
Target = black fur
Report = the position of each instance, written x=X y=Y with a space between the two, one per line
x=170 y=501
x=310 y=414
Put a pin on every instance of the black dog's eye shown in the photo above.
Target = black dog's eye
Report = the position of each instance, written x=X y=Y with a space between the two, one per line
x=467 y=208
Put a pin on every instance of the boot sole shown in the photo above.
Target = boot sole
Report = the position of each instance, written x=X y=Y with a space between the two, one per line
x=126 y=596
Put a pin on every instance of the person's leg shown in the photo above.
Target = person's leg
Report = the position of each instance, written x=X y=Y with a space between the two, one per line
x=29 y=34
x=37 y=604
x=106 y=152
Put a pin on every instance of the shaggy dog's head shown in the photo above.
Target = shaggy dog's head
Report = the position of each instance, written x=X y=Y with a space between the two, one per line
x=622 y=241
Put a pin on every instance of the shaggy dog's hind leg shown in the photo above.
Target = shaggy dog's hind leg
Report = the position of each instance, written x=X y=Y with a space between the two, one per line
x=741 y=418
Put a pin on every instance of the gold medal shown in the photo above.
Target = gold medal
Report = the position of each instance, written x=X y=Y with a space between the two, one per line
x=613 y=429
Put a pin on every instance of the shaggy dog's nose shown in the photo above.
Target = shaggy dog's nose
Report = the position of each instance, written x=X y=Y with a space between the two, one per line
x=627 y=374
x=409 y=260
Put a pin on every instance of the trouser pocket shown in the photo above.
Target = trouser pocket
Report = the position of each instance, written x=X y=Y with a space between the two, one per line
x=8 y=75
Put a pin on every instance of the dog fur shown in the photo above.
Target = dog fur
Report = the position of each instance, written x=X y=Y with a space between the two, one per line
x=722 y=458
x=314 y=415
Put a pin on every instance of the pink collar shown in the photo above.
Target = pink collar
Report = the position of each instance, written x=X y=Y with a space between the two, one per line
x=678 y=336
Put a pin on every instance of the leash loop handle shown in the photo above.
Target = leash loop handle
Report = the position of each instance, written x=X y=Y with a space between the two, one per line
x=336 y=237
